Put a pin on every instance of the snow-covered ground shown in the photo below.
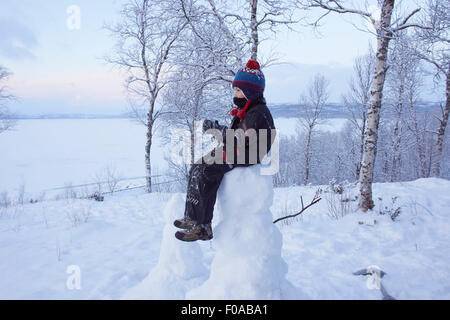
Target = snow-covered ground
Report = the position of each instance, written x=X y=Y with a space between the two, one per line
x=114 y=245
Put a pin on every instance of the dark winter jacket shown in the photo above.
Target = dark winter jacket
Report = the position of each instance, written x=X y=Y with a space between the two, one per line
x=258 y=117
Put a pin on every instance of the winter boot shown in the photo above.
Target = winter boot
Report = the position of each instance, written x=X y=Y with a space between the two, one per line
x=196 y=232
x=184 y=223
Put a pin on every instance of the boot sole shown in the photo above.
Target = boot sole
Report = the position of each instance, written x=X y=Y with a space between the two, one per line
x=179 y=236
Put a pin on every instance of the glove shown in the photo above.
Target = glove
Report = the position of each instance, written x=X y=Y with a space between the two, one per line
x=208 y=124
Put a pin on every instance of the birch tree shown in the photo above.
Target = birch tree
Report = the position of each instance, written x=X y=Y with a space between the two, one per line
x=223 y=42
x=6 y=122
x=200 y=91
x=417 y=125
x=205 y=60
x=385 y=29
x=267 y=15
x=249 y=21
x=357 y=99
x=145 y=37
x=312 y=103
x=403 y=83
x=435 y=49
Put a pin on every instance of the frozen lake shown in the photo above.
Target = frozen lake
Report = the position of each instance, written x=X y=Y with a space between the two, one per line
x=42 y=154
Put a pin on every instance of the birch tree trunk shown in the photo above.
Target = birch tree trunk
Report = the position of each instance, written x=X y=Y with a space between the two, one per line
x=313 y=103
x=308 y=144
x=148 y=146
x=150 y=120
x=442 y=127
x=357 y=99
x=395 y=160
x=254 y=29
x=361 y=146
x=373 y=116
x=419 y=136
x=396 y=137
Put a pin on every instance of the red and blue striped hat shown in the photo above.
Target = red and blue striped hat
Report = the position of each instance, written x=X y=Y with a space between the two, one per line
x=250 y=80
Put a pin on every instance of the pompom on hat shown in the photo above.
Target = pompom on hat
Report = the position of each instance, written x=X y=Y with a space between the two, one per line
x=252 y=82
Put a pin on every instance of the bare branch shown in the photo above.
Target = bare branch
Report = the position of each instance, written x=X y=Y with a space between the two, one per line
x=409 y=17
x=313 y=202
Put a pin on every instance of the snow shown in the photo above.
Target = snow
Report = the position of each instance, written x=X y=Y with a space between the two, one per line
x=118 y=248
x=44 y=154
x=125 y=248
x=114 y=248
x=180 y=265
x=247 y=263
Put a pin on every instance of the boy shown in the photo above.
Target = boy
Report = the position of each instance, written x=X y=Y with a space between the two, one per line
x=204 y=179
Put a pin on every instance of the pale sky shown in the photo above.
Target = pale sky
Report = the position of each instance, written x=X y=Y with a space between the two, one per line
x=58 y=70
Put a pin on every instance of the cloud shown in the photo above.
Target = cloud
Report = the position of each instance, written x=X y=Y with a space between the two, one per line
x=17 y=40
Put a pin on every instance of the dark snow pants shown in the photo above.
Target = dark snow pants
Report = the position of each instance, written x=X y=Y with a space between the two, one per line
x=204 y=181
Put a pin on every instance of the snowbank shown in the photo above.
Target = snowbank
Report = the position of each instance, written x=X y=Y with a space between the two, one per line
x=121 y=242
x=180 y=265
x=248 y=262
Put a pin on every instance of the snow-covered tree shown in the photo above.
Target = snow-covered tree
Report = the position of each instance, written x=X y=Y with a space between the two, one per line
x=266 y=15
x=418 y=125
x=146 y=36
x=312 y=103
x=434 y=48
x=222 y=40
x=6 y=122
x=198 y=94
x=357 y=99
x=204 y=62
x=246 y=23
x=402 y=83
x=386 y=27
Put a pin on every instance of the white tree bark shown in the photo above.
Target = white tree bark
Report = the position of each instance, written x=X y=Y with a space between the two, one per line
x=254 y=29
x=442 y=127
x=357 y=99
x=373 y=115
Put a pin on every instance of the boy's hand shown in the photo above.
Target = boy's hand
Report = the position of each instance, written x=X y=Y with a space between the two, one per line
x=208 y=124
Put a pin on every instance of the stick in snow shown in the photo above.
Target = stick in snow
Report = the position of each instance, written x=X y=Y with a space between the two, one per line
x=313 y=201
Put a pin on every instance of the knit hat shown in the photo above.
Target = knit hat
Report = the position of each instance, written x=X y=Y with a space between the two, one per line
x=251 y=81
